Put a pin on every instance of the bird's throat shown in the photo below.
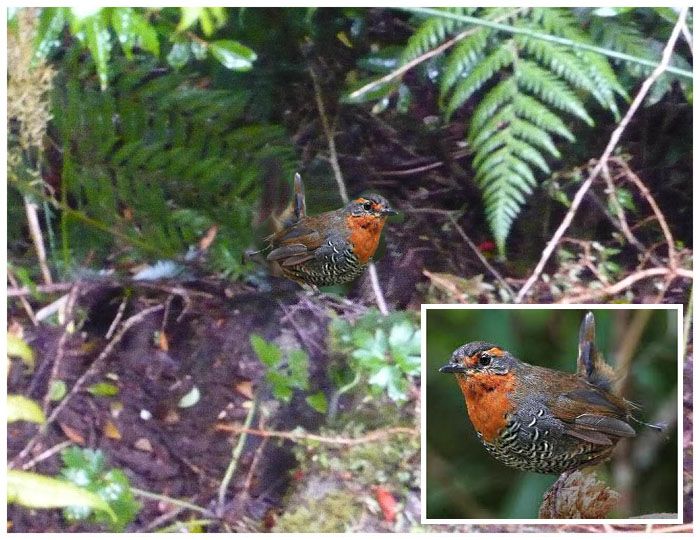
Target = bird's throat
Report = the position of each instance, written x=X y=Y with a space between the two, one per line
x=364 y=235
x=488 y=401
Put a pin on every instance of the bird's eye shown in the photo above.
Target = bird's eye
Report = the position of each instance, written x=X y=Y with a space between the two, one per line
x=367 y=206
x=484 y=359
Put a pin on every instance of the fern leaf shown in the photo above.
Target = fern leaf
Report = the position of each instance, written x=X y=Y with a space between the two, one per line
x=529 y=153
x=465 y=55
x=500 y=94
x=432 y=32
x=529 y=108
x=493 y=125
x=526 y=131
x=503 y=56
x=550 y=89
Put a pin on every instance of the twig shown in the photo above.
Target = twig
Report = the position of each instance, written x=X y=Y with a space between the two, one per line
x=621 y=219
x=176 y=502
x=343 y=441
x=672 y=260
x=423 y=57
x=626 y=283
x=117 y=318
x=25 y=303
x=614 y=139
x=329 y=137
x=61 y=348
x=686 y=527
x=688 y=36
x=688 y=322
x=26 y=291
x=335 y=165
x=37 y=238
x=235 y=455
x=47 y=454
x=79 y=383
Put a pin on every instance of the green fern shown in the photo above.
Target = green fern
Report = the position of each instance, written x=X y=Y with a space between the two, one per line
x=522 y=88
x=160 y=160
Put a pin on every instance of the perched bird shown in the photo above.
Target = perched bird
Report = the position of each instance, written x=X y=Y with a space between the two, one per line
x=538 y=419
x=329 y=248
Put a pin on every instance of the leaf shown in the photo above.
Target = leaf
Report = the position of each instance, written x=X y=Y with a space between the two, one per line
x=268 y=353
x=179 y=54
x=133 y=29
x=18 y=348
x=103 y=389
x=318 y=402
x=189 y=399
x=189 y=15
x=39 y=491
x=98 y=41
x=57 y=390
x=298 y=369
x=20 y=408
x=51 y=23
x=233 y=55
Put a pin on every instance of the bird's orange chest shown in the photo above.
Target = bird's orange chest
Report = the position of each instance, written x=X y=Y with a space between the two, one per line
x=364 y=235
x=488 y=401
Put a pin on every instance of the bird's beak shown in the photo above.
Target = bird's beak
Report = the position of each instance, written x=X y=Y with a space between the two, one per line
x=388 y=212
x=453 y=368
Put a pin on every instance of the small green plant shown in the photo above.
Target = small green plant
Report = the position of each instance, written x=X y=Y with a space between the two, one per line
x=384 y=350
x=287 y=373
x=86 y=468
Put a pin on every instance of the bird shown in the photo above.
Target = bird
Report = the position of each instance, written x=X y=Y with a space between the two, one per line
x=538 y=419
x=330 y=248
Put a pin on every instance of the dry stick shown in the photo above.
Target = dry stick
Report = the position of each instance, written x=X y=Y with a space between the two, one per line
x=374 y=278
x=614 y=139
x=296 y=436
x=26 y=291
x=79 y=383
x=672 y=259
x=47 y=454
x=25 y=303
x=423 y=57
x=626 y=283
x=37 y=238
x=622 y=219
x=61 y=348
x=235 y=455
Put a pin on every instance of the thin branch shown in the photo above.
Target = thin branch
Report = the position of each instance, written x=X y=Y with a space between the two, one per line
x=300 y=436
x=374 y=278
x=672 y=259
x=614 y=139
x=170 y=500
x=235 y=455
x=37 y=238
x=626 y=283
x=25 y=303
x=556 y=39
x=47 y=454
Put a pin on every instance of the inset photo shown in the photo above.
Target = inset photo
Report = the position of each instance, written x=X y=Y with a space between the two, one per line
x=543 y=412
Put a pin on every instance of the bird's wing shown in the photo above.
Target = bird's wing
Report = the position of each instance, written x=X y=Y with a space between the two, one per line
x=294 y=245
x=591 y=414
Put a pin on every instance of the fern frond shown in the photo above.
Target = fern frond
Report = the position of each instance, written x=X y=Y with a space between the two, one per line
x=526 y=131
x=500 y=94
x=503 y=117
x=465 y=55
x=432 y=32
x=549 y=89
x=503 y=56
x=529 y=108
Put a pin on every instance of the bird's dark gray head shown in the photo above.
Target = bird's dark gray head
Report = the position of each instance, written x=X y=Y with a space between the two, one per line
x=371 y=205
x=479 y=356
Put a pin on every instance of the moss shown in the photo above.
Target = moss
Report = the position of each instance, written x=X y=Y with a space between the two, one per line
x=335 y=512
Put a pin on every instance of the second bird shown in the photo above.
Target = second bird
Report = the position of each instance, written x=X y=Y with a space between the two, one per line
x=333 y=247
x=537 y=419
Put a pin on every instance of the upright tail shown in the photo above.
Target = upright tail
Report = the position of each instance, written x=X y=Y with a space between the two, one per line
x=590 y=363
x=299 y=197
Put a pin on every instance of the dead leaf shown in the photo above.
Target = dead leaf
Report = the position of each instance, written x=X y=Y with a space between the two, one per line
x=72 y=433
x=111 y=431
x=144 y=445
x=245 y=388
x=208 y=238
x=163 y=342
